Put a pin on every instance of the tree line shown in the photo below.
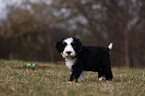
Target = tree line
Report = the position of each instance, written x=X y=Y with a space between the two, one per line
x=30 y=29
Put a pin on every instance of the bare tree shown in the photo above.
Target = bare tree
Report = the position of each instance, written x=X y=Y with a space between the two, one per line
x=35 y=27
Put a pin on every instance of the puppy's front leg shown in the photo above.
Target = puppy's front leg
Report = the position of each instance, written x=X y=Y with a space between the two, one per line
x=72 y=77
x=77 y=75
x=76 y=72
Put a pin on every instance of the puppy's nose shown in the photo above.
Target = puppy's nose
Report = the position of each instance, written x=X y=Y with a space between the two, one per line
x=68 y=52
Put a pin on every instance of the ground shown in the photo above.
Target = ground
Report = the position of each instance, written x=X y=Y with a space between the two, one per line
x=53 y=81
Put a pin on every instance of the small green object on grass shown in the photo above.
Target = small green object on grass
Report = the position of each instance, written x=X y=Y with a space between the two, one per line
x=31 y=64
x=28 y=65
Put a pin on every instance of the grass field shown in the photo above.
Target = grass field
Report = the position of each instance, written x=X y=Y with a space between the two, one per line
x=53 y=82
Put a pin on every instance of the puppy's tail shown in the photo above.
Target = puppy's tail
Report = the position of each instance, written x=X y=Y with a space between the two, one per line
x=110 y=46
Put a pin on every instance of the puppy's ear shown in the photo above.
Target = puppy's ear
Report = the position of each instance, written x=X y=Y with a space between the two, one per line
x=78 y=44
x=58 y=46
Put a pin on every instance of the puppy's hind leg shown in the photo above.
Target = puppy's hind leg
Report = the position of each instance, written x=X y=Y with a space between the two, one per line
x=108 y=75
x=108 y=72
x=81 y=78
x=100 y=76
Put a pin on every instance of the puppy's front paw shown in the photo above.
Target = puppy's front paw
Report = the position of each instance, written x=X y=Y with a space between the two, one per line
x=101 y=78
x=69 y=82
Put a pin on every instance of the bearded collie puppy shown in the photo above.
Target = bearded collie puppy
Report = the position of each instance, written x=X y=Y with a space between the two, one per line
x=79 y=58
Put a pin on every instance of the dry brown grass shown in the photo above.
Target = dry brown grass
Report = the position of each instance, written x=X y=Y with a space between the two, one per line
x=53 y=82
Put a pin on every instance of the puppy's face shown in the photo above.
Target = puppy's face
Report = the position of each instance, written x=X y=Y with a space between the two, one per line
x=68 y=47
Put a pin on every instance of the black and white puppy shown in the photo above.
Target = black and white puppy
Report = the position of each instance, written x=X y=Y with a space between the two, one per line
x=79 y=58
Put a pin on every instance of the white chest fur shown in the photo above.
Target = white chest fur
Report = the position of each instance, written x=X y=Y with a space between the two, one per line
x=69 y=63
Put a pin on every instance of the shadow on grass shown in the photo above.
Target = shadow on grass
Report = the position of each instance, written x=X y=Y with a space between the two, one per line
x=115 y=80
x=32 y=68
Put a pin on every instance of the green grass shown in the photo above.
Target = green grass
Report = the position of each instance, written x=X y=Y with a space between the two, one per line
x=53 y=82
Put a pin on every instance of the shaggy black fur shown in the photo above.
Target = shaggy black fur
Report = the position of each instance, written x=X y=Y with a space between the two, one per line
x=89 y=58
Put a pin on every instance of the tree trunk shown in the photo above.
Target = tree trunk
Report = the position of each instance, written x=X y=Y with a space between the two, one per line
x=126 y=51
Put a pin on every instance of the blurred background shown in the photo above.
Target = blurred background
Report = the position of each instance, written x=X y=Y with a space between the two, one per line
x=29 y=29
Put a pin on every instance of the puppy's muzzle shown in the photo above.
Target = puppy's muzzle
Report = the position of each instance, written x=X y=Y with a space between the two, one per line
x=68 y=52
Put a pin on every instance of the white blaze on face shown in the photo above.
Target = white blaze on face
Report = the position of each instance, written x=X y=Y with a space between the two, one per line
x=68 y=48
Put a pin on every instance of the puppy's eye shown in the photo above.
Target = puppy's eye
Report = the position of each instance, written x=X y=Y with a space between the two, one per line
x=73 y=44
x=64 y=44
